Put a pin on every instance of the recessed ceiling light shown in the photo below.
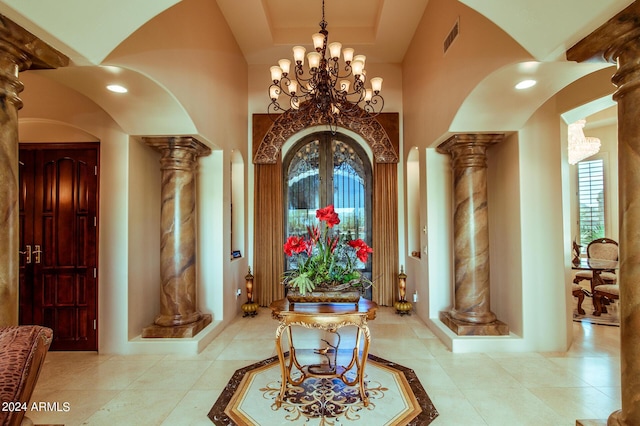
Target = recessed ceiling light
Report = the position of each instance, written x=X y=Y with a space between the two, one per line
x=117 y=88
x=525 y=84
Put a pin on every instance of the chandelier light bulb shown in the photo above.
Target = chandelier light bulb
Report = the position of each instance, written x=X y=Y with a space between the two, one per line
x=347 y=54
x=361 y=58
x=368 y=94
x=293 y=87
x=274 y=93
x=314 y=59
x=334 y=50
x=344 y=85
x=276 y=73
x=376 y=84
x=357 y=67
x=285 y=66
x=318 y=41
x=298 y=54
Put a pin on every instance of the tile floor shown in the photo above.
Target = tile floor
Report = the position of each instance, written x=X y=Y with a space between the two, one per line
x=467 y=389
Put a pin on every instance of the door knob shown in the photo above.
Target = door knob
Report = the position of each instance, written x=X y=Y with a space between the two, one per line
x=37 y=252
x=27 y=252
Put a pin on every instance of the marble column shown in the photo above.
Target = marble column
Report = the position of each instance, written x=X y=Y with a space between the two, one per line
x=471 y=313
x=179 y=315
x=618 y=41
x=19 y=50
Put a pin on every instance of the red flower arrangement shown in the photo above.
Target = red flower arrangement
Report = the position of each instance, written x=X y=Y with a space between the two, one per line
x=324 y=259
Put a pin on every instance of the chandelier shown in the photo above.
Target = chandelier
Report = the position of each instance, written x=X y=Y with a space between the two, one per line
x=581 y=146
x=325 y=88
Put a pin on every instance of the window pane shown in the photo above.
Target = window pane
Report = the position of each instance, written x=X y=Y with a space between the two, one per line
x=591 y=200
x=303 y=183
x=349 y=191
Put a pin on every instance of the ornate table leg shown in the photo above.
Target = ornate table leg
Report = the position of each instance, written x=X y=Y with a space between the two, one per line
x=283 y=372
x=365 y=353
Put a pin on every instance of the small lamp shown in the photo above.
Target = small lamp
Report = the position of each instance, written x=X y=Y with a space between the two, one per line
x=250 y=308
x=403 y=307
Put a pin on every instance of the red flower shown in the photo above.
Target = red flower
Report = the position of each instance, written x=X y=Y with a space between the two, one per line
x=329 y=215
x=314 y=233
x=294 y=245
x=362 y=249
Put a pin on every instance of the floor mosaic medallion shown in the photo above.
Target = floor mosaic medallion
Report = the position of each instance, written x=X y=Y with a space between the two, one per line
x=395 y=393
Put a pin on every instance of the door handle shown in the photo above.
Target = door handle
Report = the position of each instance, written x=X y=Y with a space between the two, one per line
x=27 y=251
x=37 y=252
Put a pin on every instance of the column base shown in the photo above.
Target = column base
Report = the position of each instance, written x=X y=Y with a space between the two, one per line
x=464 y=328
x=178 y=331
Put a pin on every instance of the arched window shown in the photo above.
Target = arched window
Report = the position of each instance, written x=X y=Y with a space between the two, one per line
x=322 y=169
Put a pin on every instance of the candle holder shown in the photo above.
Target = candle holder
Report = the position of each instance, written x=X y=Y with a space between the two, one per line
x=250 y=308
x=403 y=306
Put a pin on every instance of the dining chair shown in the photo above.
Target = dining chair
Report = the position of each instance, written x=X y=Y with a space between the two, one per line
x=579 y=292
x=602 y=295
x=602 y=248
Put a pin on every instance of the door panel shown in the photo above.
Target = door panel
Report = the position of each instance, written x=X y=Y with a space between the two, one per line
x=64 y=285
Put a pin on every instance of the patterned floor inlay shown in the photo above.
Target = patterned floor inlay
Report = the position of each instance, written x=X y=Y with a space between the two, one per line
x=395 y=393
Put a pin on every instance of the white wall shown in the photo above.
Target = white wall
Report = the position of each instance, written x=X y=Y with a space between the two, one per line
x=143 y=234
x=504 y=193
x=543 y=227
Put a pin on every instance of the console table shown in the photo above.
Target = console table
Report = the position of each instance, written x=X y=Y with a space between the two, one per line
x=329 y=317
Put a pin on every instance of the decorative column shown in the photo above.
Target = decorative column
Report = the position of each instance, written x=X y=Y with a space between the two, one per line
x=19 y=50
x=179 y=315
x=471 y=313
x=618 y=40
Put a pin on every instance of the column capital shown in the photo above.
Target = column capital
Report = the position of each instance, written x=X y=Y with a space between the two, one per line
x=163 y=143
x=604 y=43
x=469 y=149
x=616 y=41
x=32 y=52
x=178 y=152
x=21 y=50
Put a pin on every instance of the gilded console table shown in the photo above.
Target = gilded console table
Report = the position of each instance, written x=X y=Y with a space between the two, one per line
x=329 y=317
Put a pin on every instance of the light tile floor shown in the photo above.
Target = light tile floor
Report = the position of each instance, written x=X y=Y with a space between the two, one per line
x=467 y=389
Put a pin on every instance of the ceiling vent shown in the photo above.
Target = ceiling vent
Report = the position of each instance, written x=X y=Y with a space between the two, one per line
x=452 y=35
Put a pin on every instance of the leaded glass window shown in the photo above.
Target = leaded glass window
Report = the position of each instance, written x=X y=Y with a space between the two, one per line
x=323 y=169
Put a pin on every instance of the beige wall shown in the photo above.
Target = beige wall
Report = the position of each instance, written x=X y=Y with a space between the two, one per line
x=129 y=222
x=528 y=181
x=436 y=84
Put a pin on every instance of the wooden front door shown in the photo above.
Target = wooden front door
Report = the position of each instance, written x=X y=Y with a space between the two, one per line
x=58 y=241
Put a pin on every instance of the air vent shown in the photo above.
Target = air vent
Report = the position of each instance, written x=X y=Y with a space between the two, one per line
x=452 y=35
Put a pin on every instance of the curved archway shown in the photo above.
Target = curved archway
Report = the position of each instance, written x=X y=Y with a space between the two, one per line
x=290 y=123
x=382 y=136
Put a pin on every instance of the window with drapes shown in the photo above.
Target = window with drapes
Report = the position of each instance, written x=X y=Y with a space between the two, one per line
x=323 y=169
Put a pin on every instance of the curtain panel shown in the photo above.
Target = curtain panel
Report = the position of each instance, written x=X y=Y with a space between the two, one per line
x=385 y=233
x=269 y=234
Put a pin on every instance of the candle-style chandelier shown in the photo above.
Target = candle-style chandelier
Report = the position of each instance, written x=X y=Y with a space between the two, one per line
x=324 y=88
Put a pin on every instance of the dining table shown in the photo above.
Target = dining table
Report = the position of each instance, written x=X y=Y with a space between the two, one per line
x=596 y=266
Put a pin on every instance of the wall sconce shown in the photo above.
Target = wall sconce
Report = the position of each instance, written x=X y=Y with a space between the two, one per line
x=403 y=307
x=250 y=308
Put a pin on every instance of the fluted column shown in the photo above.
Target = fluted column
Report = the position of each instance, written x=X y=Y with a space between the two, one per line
x=19 y=50
x=619 y=41
x=179 y=315
x=471 y=313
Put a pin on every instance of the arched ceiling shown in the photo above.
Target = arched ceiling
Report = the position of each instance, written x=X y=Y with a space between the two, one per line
x=88 y=31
